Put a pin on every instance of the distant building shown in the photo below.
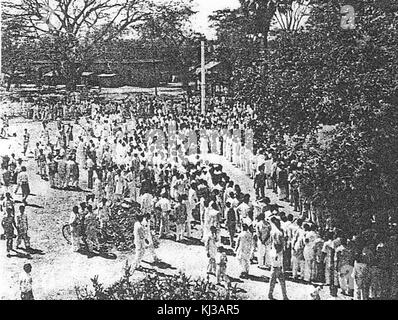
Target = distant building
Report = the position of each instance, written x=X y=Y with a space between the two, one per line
x=142 y=73
x=217 y=80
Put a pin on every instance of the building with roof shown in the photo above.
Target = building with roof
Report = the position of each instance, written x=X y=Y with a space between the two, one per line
x=217 y=80
x=110 y=73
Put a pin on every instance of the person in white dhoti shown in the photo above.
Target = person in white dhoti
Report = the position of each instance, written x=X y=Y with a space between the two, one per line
x=139 y=242
x=242 y=155
x=191 y=205
x=80 y=156
x=244 y=250
x=268 y=164
x=149 y=248
x=211 y=250
x=236 y=151
x=204 y=144
x=119 y=185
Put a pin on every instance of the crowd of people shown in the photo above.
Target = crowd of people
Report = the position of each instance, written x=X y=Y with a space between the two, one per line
x=13 y=177
x=146 y=150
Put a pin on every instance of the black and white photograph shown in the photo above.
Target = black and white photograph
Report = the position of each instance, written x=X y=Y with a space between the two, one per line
x=199 y=150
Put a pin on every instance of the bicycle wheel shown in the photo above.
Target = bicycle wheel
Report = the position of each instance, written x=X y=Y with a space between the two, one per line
x=66 y=233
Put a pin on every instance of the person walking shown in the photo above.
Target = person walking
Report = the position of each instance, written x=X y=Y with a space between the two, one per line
x=26 y=139
x=150 y=248
x=61 y=170
x=277 y=239
x=9 y=226
x=90 y=172
x=309 y=252
x=362 y=271
x=211 y=250
x=139 y=242
x=23 y=183
x=263 y=232
x=22 y=228
x=222 y=267
x=259 y=183
x=181 y=217
x=75 y=173
x=231 y=222
x=25 y=283
x=244 y=250
x=165 y=206
x=42 y=164
x=52 y=171
x=243 y=209
x=191 y=205
x=37 y=153
x=298 y=245
x=344 y=261
x=92 y=229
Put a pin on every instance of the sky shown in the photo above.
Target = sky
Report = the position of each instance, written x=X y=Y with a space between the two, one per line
x=206 y=8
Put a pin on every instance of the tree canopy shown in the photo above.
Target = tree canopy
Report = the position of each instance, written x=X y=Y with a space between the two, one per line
x=328 y=96
x=74 y=31
x=170 y=30
x=325 y=75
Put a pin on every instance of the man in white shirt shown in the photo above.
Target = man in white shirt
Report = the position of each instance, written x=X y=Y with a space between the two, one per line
x=139 y=242
x=234 y=203
x=150 y=249
x=191 y=205
x=244 y=208
x=23 y=182
x=146 y=202
x=165 y=206
x=277 y=239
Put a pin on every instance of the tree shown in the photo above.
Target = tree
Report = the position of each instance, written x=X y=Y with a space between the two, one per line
x=18 y=48
x=290 y=14
x=325 y=75
x=234 y=48
x=170 y=28
x=242 y=40
x=75 y=29
x=260 y=14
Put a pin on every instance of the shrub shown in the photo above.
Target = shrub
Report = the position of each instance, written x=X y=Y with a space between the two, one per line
x=156 y=286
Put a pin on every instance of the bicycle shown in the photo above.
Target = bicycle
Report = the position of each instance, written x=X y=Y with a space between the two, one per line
x=67 y=233
x=105 y=243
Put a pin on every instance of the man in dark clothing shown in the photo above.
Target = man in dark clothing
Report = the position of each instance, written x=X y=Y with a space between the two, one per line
x=259 y=183
x=231 y=222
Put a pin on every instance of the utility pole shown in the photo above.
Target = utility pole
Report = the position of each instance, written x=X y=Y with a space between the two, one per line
x=0 y=40
x=153 y=58
x=203 y=78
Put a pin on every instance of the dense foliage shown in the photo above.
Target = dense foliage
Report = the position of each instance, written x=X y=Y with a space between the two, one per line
x=18 y=49
x=328 y=96
x=157 y=286
x=171 y=33
x=71 y=35
x=73 y=30
x=347 y=78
